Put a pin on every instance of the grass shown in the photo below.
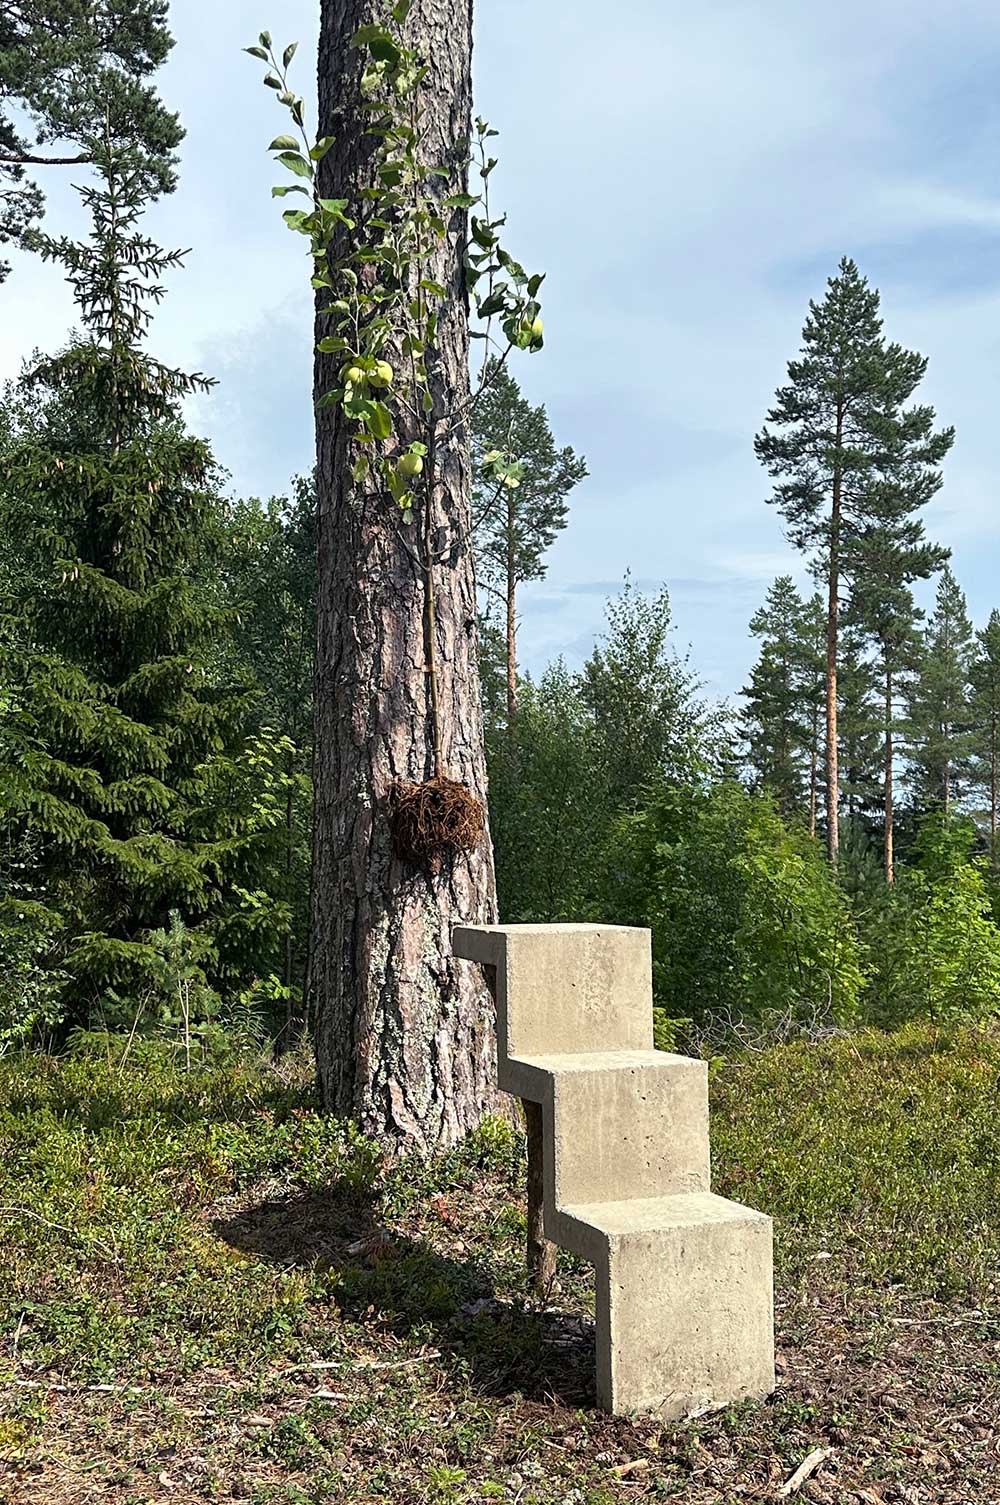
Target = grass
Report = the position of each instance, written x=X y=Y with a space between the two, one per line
x=208 y=1291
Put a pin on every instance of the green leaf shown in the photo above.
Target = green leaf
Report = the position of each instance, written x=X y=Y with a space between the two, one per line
x=380 y=421
x=323 y=145
x=434 y=288
x=494 y=304
x=284 y=144
x=289 y=53
x=330 y=344
x=384 y=50
x=401 y=10
x=271 y=82
x=265 y=39
x=281 y=189
x=366 y=35
x=461 y=201
x=257 y=52
x=296 y=163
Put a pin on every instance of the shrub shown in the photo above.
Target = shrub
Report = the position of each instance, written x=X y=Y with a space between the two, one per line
x=747 y=922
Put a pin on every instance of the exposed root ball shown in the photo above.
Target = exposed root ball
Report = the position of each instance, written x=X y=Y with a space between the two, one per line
x=430 y=821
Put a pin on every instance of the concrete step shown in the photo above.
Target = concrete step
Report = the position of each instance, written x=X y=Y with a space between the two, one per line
x=617 y=1124
x=683 y=1278
x=685 y=1316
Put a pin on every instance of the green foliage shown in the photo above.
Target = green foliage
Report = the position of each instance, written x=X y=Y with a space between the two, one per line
x=520 y=485
x=583 y=749
x=940 y=714
x=382 y=296
x=547 y=816
x=784 y=698
x=30 y=977
x=878 y=1151
x=72 y=74
x=130 y=772
x=748 y=925
x=841 y=421
x=934 y=944
x=984 y=678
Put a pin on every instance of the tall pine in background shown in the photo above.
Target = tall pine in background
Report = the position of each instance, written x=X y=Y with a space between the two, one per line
x=515 y=518
x=69 y=71
x=128 y=771
x=839 y=439
x=940 y=713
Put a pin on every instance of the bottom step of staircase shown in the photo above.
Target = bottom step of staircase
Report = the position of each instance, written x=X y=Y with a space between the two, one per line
x=684 y=1308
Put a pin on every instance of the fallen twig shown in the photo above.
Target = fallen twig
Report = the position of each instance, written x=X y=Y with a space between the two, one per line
x=806 y=1468
x=13 y=1211
x=420 y=1358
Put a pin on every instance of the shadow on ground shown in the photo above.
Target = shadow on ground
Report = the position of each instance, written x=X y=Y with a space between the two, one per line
x=509 y=1347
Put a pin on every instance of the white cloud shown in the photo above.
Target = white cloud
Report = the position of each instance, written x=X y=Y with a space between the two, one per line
x=688 y=176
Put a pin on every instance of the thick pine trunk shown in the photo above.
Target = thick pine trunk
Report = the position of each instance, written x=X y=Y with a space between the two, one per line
x=889 y=854
x=405 y=1036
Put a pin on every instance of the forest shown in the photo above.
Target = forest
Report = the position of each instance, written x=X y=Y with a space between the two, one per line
x=157 y=721
x=261 y=1203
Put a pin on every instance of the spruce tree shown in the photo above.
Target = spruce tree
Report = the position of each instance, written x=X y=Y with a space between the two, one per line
x=515 y=518
x=940 y=713
x=858 y=730
x=777 y=715
x=985 y=680
x=128 y=768
x=840 y=435
x=891 y=555
x=71 y=72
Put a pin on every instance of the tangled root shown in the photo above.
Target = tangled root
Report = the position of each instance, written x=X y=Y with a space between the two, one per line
x=432 y=820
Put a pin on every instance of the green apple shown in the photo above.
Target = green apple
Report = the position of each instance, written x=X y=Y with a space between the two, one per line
x=537 y=329
x=355 y=376
x=410 y=465
x=383 y=374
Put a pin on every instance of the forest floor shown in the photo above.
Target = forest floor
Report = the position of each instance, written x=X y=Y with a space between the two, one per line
x=209 y=1293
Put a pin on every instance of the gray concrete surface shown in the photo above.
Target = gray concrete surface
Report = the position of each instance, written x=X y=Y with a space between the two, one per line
x=683 y=1278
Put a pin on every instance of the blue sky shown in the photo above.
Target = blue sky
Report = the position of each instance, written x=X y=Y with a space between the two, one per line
x=688 y=176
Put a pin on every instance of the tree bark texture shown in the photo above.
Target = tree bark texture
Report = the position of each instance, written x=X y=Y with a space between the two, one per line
x=405 y=1036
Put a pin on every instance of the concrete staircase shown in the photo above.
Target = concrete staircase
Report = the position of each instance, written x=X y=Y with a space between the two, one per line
x=683 y=1277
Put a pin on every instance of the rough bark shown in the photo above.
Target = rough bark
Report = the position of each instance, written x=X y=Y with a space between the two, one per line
x=405 y=1036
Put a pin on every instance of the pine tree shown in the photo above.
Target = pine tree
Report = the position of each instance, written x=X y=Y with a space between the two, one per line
x=515 y=520
x=940 y=714
x=778 y=715
x=985 y=680
x=841 y=437
x=129 y=768
x=75 y=71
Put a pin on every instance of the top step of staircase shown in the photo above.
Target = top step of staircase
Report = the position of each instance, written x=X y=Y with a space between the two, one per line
x=564 y=988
